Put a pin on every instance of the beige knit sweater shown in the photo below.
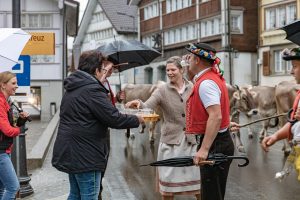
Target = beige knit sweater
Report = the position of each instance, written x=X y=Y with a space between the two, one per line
x=172 y=105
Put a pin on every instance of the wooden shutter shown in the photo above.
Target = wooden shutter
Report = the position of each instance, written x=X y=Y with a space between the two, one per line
x=266 y=63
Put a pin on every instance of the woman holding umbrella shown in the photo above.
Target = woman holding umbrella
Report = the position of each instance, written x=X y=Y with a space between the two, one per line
x=171 y=98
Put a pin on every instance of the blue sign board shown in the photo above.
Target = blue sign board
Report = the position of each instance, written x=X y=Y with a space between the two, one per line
x=22 y=70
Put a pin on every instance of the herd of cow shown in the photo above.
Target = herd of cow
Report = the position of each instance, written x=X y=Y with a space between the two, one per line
x=264 y=101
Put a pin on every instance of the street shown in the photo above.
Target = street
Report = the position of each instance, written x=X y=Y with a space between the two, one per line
x=125 y=180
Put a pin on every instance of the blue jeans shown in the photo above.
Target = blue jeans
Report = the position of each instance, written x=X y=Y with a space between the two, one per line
x=84 y=186
x=9 y=183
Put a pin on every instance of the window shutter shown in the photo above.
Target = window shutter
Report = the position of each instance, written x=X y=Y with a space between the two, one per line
x=266 y=63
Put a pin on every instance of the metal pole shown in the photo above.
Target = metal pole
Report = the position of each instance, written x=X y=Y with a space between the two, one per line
x=133 y=19
x=19 y=153
x=229 y=41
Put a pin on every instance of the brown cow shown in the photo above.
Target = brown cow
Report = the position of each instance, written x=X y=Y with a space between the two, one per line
x=285 y=94
x=142 y=92
x=257 y=100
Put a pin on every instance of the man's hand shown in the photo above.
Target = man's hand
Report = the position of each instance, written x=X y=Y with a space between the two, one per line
x=234 y=127
x=200 y=156
x=268 y=141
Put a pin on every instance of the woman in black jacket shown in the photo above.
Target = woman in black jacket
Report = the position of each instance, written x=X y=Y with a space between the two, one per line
x=81 y=147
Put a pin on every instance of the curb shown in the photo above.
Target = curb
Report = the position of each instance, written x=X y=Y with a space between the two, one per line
x=38 y=153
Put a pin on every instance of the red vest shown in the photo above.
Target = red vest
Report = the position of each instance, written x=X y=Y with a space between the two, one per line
x=196 y=115
x=295 y=106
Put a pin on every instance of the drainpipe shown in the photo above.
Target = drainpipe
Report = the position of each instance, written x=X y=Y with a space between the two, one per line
x=229 y=43
x=161 y=26
x=198 y=20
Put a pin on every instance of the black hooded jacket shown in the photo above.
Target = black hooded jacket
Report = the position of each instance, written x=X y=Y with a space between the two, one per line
x=85 y=115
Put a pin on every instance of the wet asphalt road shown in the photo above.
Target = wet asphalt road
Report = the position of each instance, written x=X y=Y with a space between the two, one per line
x=125 y=180
x=256 y=181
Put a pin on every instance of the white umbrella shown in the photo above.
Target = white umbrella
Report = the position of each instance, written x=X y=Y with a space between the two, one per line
x=12 y=42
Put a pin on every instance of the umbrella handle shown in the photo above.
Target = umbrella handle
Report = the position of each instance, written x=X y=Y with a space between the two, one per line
x=241 y=158
x=207 y=162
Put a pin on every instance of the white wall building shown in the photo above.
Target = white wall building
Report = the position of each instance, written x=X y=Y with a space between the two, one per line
x=46 y=70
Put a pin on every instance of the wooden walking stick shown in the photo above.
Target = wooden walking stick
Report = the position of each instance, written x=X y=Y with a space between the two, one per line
x=263 y=119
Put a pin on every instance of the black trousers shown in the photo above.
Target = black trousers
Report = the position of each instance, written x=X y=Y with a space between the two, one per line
x=214 y=178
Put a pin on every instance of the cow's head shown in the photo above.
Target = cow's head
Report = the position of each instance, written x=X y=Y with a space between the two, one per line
x=244 y=101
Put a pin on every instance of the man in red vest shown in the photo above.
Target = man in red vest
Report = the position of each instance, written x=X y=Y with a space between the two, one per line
x=285 y=131
x=208 y=118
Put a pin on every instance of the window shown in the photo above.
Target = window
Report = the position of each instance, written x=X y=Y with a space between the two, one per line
x=166 y=38
x=291 y=13
x=211 y=27
x=236 y=21
x=281 y=16
x=151 y=11
x=277 y=17
x=169 y=6
x=278 y=62
x=33 y=21
x=180 y=34
x=173 y=5
x=98 y=17
x=102 y=34
x=36 y=21
x=281 y=66
x=148 y=41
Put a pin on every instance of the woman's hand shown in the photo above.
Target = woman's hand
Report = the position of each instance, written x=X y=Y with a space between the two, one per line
x=24 y=115
x=133 y=104
x=297 y=114
x=141 y=119
x=268 y=141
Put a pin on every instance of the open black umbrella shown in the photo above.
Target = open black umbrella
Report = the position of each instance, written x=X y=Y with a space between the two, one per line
x=185 y=161
x=128 y=54
x=293 y=32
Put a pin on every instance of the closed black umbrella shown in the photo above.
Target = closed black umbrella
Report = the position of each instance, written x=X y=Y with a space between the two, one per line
x=185 y=161
x=293 y=32
x=128 y=53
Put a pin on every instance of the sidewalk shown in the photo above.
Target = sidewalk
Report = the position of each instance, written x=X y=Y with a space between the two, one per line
x=47 y=182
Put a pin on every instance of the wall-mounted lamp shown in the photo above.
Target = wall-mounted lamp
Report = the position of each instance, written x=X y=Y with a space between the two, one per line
x=236 y=53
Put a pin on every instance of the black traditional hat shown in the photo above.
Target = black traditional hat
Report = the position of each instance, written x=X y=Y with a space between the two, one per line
x=291 y=54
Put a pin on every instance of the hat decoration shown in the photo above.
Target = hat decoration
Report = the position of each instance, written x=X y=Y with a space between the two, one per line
x=291 y=54
x=208 y=55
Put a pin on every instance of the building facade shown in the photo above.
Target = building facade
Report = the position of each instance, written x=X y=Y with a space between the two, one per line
x=46 y=70
x=273 y=15
x=105 y=21
x=169 y=25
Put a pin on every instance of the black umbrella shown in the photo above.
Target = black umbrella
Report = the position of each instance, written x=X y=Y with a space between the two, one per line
x=293 y=32
x=185 y=161
x=128 y=54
